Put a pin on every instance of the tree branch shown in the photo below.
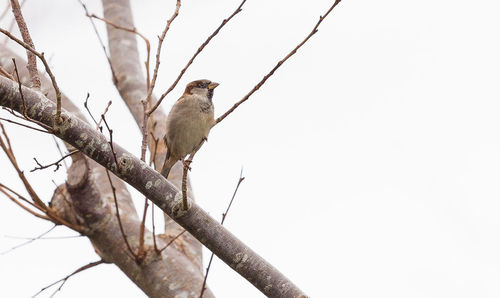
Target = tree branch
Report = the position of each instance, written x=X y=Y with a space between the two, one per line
x=246 y=97
x=200 y=49
x=154 y=186
x=16 y=9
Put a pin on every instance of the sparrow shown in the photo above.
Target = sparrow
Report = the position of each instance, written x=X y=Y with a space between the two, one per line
x=189 y=123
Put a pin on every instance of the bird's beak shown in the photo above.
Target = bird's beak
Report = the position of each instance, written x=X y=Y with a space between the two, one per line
x=212 y=85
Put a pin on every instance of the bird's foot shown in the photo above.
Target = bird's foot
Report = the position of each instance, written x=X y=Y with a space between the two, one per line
x=187 y=164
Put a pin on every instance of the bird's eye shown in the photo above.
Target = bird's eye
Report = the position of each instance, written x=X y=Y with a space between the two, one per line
x=202 y=85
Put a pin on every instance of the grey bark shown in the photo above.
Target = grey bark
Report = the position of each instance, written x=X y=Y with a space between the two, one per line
x=154 y=186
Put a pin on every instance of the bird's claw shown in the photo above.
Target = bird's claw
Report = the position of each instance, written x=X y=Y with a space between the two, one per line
x=187 y=164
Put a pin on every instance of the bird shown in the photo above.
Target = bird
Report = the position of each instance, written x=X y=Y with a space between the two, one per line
x=188 y=123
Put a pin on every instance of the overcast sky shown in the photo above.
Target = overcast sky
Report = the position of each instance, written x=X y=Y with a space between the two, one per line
x=372 y=157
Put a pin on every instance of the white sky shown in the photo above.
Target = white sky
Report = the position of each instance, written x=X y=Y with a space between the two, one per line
x=371 y=157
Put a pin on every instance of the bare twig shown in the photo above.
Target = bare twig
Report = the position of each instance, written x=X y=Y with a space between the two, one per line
x=158 y=51
x=48 y=129
x=29 y=241
x=141 y=252
x=56 y=163
x=6 y=74
x=131 y=30
x=150 y=86
x=63 y=280
x=172 y=241
x=85 y=104
x=60 y=152
x=154 y=228
x=155 y=150
x=47 y=69
x=10 y=154
x=110 y=131
x=16 y=9
x=113 y=189
x=7 y=148
x=245 y=98
x=203 y=45
x=20 y=197
x=232 y=198
x=151 y=160
x=222 y=222
x=24 y=125
x=115 y=80
x=20 y=88
x=103 y=114
x=144 y=130
x=44 y=238
x=24 y=207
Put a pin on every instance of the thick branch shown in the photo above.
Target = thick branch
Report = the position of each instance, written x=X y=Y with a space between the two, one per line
x=92 y=203
x=154 y=186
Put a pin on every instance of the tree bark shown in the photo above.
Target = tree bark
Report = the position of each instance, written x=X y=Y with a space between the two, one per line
x=154 y=186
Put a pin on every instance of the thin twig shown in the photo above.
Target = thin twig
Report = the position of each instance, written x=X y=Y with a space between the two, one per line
x=155 y=150
x=222 y=223
x=20 y=88
x=158 y=51
x=104 y=113
x=172 y=241
x=10 y=154
x=85 y=104
x=151 y=160
x=47 y=69
x=144 y=144
x=110 y=131
x=60 y=152
x=115 y=80
x=29 y=241
x=44 y=238
x=142 y=229
x=48 y=129
x=24 y=207
x=232 y=198
x=150 y=86
x=34 y=196
x=24 y=101
x=23 y=28
x=113 y=189
x=245 y=98
x=5 y=73
x=154 y=232
x=63 y=280
x=144 y=130
x=24 y=125
x=56 y=163
x=20 y=197
x=131 y=30
x=203 y=45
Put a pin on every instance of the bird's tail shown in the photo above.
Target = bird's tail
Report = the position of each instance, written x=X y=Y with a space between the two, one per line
x=167 y=166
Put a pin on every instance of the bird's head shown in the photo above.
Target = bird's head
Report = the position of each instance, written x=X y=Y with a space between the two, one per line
x=201 y=87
